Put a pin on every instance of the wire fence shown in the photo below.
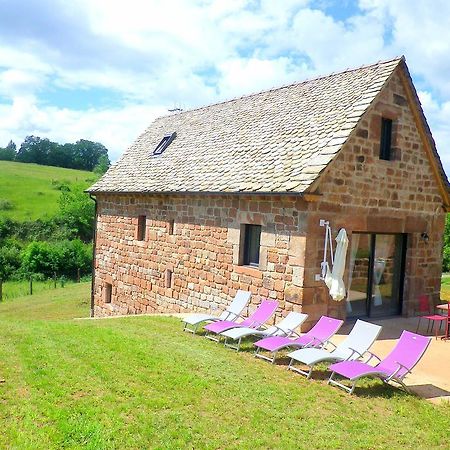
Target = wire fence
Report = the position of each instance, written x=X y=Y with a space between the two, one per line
x=33 y=285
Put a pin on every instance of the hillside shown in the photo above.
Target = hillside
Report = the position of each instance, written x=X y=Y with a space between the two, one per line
x=31 y=191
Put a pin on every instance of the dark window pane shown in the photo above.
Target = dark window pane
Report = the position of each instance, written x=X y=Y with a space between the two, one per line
x=251 y=244
x=141 y=228
x=164 y=143
x=386 y=138
x=108 y=293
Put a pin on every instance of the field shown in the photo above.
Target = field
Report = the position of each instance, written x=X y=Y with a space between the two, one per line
x=14 y=289
x=30 y=191
x=140 y=382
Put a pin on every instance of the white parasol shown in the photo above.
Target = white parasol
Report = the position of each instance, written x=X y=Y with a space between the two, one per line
x=335 y=279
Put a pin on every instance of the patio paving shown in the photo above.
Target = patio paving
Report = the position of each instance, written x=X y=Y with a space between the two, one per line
x=430 y=379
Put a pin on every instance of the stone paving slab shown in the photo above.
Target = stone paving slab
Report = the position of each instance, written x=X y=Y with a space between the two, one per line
x=430 y=379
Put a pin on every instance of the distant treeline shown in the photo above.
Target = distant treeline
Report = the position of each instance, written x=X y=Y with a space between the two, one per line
x=82 y=155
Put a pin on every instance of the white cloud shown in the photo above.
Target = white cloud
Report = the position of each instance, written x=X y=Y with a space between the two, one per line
x=115 y=128
x=243 y=76
x=438 y=114
x=153 y=54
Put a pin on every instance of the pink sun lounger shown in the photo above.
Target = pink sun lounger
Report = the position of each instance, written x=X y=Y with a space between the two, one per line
x=316 y=337
x=262 y=314
x=405 y=355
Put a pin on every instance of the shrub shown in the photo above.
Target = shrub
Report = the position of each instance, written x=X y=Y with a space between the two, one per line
x=5 y=205
x=76 y=213
x=9 y=259
x=446 y=250
x=64 y=258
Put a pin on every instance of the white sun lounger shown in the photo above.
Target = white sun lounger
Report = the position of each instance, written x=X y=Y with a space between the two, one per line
x=232 y=313
x=355 y=345
x=286 y=327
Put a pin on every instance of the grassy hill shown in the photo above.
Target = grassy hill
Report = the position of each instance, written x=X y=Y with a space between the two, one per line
x=31 y=191
x=140 y=382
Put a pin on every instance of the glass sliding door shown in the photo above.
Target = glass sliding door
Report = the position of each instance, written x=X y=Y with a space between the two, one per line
x=361 y=249
x=376 y=275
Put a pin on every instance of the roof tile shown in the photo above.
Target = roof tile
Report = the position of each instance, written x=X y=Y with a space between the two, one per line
x=273 y=141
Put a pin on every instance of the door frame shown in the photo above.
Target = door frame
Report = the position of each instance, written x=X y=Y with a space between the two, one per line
x=402 y=247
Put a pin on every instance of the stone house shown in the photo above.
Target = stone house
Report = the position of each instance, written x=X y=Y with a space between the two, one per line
x=230 y=196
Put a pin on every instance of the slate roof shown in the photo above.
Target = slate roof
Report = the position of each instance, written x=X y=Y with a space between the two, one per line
x=275 y=141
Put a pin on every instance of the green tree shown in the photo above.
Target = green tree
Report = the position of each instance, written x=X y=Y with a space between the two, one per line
x=9 y=152
x=36 y=150
x=77 y=213
x=9 y=259
x=87 y=154
x=102 y=165
x=64 y=258
x=446 y=250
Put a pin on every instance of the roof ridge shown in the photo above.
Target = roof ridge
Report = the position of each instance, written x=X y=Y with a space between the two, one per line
x=285 y=86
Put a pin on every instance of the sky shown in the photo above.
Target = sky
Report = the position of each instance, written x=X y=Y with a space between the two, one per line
x=104 y=69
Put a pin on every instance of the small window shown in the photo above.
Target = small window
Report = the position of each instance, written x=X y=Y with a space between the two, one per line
x=252 y=238
x=165 y=142
x=169 y=277
x=386 y=139
x=108 y=292
x=170 y=226
x=142 y=222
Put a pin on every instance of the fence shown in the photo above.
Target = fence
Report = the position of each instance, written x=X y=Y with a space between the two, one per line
x=30 y=286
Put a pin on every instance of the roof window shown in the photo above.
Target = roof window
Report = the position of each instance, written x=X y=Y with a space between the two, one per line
x=165 y=142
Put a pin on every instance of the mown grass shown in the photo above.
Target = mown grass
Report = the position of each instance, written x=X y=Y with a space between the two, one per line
x=140 y=382
x=30 y=191
x=14 y=289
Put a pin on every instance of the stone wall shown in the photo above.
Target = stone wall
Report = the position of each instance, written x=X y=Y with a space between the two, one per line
x=198 y=265
x=202 y=253
x=363 y=193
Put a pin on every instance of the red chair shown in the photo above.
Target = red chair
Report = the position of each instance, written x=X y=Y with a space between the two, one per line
x=425 y=309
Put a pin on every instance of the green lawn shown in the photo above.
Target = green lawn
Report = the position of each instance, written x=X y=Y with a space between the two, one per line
x=14 y=289
x=140 y=382
x=445 y=286
x=30 y=191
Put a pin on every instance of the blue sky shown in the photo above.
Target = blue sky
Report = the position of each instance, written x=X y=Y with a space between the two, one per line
x=104 y=69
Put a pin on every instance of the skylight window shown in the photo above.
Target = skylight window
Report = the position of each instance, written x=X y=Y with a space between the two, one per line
x=165 y=142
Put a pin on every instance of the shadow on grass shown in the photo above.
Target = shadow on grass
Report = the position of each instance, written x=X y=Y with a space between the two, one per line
x=366 y=388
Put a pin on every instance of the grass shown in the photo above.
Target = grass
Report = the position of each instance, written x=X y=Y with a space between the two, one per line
x=445 y=286
x=30 y=191
x=14 y=289
x=140 y=382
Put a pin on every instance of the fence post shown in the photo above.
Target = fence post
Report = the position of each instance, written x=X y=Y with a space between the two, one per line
x=78 y=275
x=54 y=279
x=1 y=289
x=31 y=284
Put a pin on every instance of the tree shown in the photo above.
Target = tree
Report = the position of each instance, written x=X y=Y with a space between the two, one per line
x=87 y=154
x=83 y=155
x=35 y=150
x=77 y=213
x=446 y=250
x=9 y=152
x=102 y=165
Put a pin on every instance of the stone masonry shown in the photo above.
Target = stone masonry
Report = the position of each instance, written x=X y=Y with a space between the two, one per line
x=202 y=253
x=189 y=260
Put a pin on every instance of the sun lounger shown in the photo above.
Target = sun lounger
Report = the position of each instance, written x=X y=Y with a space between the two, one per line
x=405 y=355
x=354 y=346
x=262 y=314
x=232 y=313
x=317 y=336
x=286 y=327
